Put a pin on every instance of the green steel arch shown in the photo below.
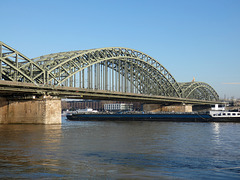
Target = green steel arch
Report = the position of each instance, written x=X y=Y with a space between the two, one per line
x=198 y=90
x=14 y=66
x=110 y=69
x=143 y=73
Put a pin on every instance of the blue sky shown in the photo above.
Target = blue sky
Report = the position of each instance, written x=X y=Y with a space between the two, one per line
x=191 y=38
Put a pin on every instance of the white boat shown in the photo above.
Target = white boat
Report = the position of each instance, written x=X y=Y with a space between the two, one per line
x=219 y=113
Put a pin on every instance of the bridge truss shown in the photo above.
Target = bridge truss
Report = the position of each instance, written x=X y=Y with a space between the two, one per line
x=113 y=69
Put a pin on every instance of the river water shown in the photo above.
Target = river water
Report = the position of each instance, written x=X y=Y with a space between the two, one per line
x=120 y=150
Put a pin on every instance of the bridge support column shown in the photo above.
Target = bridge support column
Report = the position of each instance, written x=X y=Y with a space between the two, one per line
x=162 y=108
x=45 y=110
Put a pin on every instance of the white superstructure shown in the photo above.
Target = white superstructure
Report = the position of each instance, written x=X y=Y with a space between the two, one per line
x=219 y=111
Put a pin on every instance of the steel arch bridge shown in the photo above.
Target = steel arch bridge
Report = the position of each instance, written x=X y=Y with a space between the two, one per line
x=114 y=69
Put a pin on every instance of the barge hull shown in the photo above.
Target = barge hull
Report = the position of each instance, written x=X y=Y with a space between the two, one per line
x=141 y=117
x=151 y=117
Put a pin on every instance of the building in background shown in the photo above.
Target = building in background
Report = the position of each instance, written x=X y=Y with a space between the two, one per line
x=98 y=105
x=118 y=107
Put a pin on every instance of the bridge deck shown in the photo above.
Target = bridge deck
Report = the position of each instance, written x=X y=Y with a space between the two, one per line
x=18 y=89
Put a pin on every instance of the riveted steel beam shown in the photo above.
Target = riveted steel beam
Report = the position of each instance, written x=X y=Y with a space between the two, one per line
x=114 y=69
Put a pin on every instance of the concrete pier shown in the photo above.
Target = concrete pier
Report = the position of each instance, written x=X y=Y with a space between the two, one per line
x=162 y=108
x=44 y=110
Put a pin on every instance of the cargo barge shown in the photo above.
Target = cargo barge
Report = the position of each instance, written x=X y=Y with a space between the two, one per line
x=139 y=117
x=183 y=117
x=215 y=115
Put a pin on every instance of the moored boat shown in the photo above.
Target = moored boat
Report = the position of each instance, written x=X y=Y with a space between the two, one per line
x=219 y=114
x=140 y=117
x=215 y=115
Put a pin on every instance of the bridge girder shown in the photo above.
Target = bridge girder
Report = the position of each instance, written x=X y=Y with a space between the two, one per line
x=122 y=59
x=198 y=90
x=115 y=69
x=14 y=66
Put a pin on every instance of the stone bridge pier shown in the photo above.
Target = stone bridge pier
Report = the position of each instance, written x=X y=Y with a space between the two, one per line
x=170 y=108
x=43 y=110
